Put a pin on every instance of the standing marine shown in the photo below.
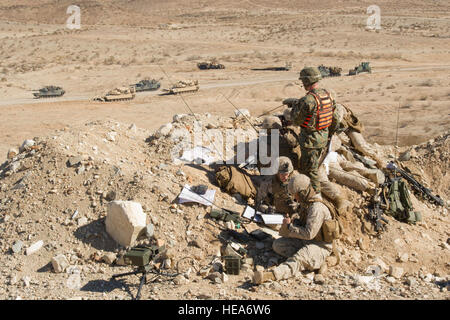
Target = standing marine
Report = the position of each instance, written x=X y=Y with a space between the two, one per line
x=314 y=113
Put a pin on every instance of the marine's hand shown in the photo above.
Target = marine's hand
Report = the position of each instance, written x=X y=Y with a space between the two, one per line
x=290 y=102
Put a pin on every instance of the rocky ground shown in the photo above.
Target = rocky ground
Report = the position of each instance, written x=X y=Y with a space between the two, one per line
x=81 y=154
x=56 y=188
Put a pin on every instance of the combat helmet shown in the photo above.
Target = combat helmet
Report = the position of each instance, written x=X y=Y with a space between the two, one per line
x=285 y=165
x=271 y=122
x=310 y=75
x=299 y=183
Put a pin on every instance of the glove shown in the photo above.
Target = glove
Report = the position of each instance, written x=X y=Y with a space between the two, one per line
x=290 y=102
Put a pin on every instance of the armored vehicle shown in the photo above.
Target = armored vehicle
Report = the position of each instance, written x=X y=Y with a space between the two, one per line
x=210 y=65
x=146 y=85
x=183 y=86
x=329 y=71
x=49 y=92
x=363 y=67
x=118 y=94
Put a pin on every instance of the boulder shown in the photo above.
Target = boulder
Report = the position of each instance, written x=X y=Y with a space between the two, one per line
x=12 y=153
x=26 y=145
x=124 y=221
x=60 y=263
x=396 y=272
x=34 y=247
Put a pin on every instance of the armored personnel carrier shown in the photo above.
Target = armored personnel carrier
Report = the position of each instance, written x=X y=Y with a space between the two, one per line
x=183 y=86
x=210 y=65
x=49 y=92
x=329 y=71
x=363 y=67
x=118 y=94
x=146 y=85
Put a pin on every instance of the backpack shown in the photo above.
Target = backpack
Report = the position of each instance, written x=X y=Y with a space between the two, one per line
x=235 y=180
x=400 y=205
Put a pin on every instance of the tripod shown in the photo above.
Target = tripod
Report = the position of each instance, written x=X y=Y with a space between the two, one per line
x=144 y=270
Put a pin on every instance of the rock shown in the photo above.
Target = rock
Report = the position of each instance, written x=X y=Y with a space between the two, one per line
x=381 y=264
x=26 y=145
x=242 y=112
x=163 y=130
x=60 y=263
x=109 y=257
x=110 y=196
x=149 y=231
x=363 y=245
x=74 y=161
x=374 y=270
x=132 y=128
x=204 y=272
x=111 y=136
x=230 y=225
x=82 y=221
x=17 y=246
x=26 y=281
x=402 y=257
x=248 y=261
x=363 y=280
x=396 y=272
x=310 y=276
x=319 y=279
x=12 y=153
x=224 y=277
x=405 y=156
x=180 y=280
x=411 y=282
x=34 y=247
x=124 y=221
x=259 y=268
x=246 y=267
x=391 y=280
x=214 y=275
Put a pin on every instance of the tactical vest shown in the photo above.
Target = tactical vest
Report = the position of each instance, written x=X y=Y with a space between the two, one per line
x=323 y=114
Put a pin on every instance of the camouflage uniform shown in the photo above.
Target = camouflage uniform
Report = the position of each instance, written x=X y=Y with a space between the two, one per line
x=303 y=247
x=312 y=142
x=288 y=141
x=273 y=192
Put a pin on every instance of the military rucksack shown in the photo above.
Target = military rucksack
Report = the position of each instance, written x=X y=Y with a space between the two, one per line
x=400 y=205
x=235 y=180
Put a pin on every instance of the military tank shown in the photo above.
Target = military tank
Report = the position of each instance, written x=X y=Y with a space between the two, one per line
x=49 y=92
x=118 y=94
x=210 y=65
x=183 y=86
x=146 y=85
x=363 y=67
x=329 y=71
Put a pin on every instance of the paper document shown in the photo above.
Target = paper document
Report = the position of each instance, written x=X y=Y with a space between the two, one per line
x=250 y=213
x=187 y=195
x=272 y=218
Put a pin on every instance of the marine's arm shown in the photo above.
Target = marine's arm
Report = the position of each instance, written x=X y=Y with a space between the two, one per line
x=314 y=221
